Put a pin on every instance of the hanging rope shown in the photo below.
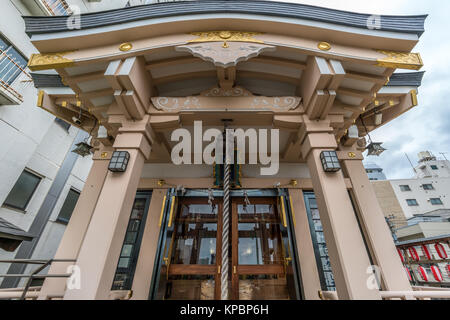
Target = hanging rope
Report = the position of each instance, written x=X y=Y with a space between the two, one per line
x=226 y=219
x=211 y=199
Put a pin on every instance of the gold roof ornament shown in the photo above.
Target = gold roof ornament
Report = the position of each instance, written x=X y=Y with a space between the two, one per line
x=47 y=61
x=324 y=46
x=216 y=36
x=414 y=99
x=124 y=47
x=400 y=60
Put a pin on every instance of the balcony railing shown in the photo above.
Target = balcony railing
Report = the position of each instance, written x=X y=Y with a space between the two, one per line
x=57 y=7
x=29 y=292
x=12 y=76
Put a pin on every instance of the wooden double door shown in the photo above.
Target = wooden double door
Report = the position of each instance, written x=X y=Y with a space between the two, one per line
x=260 y=253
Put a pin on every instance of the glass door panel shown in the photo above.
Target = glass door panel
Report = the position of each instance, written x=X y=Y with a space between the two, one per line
x=260 y=263
x=192 y=270
x=259 y=269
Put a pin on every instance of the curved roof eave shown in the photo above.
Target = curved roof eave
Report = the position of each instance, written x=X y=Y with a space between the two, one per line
x=401 y=24
x=400 y=79
x=413 y=79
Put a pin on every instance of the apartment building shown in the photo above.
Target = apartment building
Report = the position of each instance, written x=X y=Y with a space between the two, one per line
x=418 y=207
x=40 y=178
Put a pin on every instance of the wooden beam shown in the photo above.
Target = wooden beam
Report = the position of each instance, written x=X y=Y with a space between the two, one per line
x=280 y=62
x=354 y=93
x=185 y=76
x=267 y=76
x=366 y=77
x=87 y=77
x=172 y=62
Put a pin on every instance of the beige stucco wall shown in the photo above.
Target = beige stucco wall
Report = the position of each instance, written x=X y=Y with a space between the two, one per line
x=423 y=230
x=389 y=203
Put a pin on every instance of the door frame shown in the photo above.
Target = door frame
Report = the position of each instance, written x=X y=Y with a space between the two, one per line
x=237 y=193
x=238 y=269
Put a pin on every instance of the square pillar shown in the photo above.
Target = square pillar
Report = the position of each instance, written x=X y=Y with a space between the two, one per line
x=377 y=232
x=100 y=251
x=348 y=256
x=73 y=237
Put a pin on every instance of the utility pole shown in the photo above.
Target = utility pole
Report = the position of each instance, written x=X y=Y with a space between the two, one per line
x=414 y=169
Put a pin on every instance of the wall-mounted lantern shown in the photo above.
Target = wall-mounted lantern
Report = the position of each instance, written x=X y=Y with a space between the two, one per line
x=83 y=149
x=375 y=149
x=119 y=161
x=330 y=161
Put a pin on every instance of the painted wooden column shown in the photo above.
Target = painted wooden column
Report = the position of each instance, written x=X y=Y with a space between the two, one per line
x=308 y=264
x=75 y=232
x=104 y=238
x=378 y=235
x=348 y=255
x=145 y=263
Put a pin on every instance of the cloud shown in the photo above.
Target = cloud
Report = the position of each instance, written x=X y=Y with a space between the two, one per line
x=427 y=126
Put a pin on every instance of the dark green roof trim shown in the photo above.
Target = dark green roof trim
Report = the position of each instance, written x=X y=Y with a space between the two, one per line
x=41 y=80
x=402 y=24
x=408 y=79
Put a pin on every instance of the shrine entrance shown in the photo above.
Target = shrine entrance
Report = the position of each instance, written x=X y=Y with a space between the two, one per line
x=261 y=261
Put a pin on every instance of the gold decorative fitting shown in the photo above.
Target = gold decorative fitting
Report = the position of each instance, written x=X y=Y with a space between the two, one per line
x=324 y=46
x=47 y=61
x=40 y=101
x=78 y=103
x=376 y=103
x=352 y=155
x=64 y=104
x=400 y=60
x=104 y=155
x=127 y=46
x=161 y=183
x=414 y=100
x=294 y=183
x=215 y=36
x=391 y=103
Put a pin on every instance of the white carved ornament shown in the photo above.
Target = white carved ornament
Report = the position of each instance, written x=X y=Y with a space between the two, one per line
x=228 y=56
x=244 y=100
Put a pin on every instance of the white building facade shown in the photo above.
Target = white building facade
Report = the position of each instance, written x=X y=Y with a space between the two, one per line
x=428 y=191
x=40 y=178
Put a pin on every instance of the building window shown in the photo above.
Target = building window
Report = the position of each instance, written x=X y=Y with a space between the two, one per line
x=405 y=188
x=126 y=266
x=412 y=202
x=12 y=63
x=68 y=206
x=436 y=201
x=434 y=167
x=428 y=186
x=63 y=124
x=23 y=191
x=318 y=239
x=57 y=7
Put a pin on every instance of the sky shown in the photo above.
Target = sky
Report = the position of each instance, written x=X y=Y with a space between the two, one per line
x=427 y=126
